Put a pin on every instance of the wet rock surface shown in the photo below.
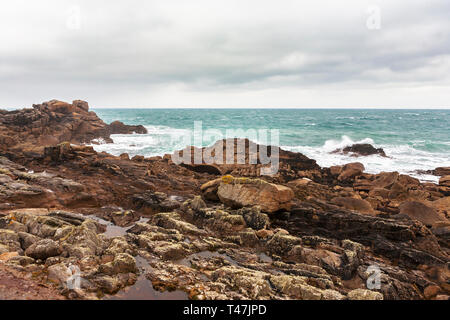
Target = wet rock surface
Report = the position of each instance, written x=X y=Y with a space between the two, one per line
x=77 y=224
x=361 y=150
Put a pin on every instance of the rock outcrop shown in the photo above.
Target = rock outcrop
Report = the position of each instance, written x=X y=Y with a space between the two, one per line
x=361 y=150
x=55 y=122
x=243 y=157
x=118 y=127
x=244 y=192
x=193 y=231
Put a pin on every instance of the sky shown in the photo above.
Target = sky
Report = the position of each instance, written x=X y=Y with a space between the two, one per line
x=210 y=53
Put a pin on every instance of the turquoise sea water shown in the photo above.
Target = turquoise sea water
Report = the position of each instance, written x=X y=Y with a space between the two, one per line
x=414 y=139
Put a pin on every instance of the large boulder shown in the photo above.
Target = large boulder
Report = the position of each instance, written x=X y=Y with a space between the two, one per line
x=385 y=180
x=361 y=149
x=209 y=190
x=245 y=192
x=43 y=249
x=445 y=181
x=442 y=171
x=122 y=263
x=118 y=127
x=350 y=171
x=364 y=294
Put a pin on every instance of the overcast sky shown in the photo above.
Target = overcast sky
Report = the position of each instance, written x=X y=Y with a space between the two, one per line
x=209 y=53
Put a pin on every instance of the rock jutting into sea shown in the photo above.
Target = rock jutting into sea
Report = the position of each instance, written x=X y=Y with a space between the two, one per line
x=79 y=224
x=361 y=150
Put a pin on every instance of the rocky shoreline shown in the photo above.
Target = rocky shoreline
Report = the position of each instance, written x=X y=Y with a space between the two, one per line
x=147 y=228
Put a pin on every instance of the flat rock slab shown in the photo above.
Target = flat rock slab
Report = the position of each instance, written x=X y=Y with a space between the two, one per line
x=244 y=192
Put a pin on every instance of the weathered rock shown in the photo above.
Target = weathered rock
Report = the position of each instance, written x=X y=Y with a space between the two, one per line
x=43 y=249
x=431 y=291
x=442 y=171
x=350 y=171
x=364 y=294
x=153 y=202
x=421 y=212
x=282 y=243
x=55 y=122
x=171 y=251
x=21 y=260
x=252 y=283
x=6 y=257
x=3 y=249
x=305 y=188
x=408 y=241
x=59 y=274
x=359 y=205
x=362 y=149
x=254 y=218
x=209 y=189
x=197 y=203
x=10 y=240
x=385 y=180
x=122 y=263
x=27 y=239
x=445 y=181
x=297 y=288
x=242 y=192
x=172 y=220
x=320 y=249
x=118 y=127
x=244 y=158
x=107 y=284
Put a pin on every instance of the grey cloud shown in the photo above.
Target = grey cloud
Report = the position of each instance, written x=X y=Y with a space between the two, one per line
x=205 y=46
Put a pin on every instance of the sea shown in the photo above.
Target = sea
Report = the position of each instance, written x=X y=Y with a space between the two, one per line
x=413 y=140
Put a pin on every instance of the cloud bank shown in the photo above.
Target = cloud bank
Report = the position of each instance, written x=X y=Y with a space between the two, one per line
x=209 y=53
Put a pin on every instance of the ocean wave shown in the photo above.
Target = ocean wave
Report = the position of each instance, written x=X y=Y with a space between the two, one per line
x=331 y=145
x=402 y=158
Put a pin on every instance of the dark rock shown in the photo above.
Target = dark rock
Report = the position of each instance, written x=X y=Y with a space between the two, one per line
x=361 y=149
x=154 y=202
x=118 y=127
x=254 y=218
x=43 y=249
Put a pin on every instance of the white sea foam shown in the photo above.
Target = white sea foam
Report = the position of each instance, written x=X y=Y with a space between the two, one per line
x=405 y=159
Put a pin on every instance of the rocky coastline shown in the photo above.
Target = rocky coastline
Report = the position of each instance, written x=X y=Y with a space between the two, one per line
x=206 y=231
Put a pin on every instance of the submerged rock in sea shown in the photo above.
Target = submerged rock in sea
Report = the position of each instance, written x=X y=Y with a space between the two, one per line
x=118 y=127
x=361 y=150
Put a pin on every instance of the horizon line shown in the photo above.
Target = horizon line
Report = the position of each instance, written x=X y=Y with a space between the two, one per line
x=285 y=108
x=250 y=108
